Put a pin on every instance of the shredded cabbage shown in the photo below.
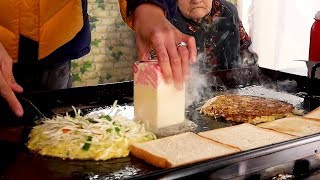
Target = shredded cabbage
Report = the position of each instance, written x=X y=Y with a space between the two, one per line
x=81 y=137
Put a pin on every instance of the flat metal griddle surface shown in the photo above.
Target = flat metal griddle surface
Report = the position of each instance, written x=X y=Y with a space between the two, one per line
x=116 y=168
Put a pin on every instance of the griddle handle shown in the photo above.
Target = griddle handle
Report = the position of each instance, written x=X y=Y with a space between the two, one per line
x=309 y=100
x=313 y=70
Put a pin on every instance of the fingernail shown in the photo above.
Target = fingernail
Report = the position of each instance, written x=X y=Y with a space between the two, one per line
x=194 y=59
x=179 y=86
x=186 y=77
x=20 y=88
x=17 y=87
x=19 y=111
x=169 y=81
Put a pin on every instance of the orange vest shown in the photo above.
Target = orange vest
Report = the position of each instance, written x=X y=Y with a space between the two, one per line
x=51 y=23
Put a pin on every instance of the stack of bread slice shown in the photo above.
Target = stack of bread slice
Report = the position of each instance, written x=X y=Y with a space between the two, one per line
x=315 y=114
x=188 y=148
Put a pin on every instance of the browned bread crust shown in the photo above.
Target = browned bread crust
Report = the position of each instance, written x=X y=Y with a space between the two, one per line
x=149 y=158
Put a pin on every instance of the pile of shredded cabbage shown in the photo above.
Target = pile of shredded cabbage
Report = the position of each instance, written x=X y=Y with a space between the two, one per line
x=81 y=137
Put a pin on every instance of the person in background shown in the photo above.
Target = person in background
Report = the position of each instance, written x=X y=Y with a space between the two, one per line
x=39 y=39
x=154 y=32
x=218 y=31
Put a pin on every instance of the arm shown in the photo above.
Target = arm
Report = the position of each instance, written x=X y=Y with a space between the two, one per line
x=127 y=8
x=154 y=31
x=8 y=84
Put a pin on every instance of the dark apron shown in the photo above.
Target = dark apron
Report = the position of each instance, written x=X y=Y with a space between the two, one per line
x=42 y=77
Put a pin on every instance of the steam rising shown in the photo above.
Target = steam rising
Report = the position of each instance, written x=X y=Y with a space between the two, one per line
x=198 y=83
x=202 y=86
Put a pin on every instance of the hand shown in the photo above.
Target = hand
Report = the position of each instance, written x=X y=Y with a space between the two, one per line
x=154 y=31
x=8 y=84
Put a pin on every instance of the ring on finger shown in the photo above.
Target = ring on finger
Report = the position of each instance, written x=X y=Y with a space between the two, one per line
x=152 y=55
x=181 y=44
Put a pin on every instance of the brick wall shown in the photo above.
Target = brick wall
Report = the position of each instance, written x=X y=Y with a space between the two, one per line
x=112 y=49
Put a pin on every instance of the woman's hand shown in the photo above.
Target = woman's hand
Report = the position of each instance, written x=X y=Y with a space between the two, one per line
x=155 y=32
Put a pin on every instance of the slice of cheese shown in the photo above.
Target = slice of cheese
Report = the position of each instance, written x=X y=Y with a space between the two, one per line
x=156 y=103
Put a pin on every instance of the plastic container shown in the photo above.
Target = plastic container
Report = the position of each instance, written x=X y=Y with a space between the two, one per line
x=314 y=49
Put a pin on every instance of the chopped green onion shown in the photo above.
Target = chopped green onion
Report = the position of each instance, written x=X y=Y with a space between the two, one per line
x=117 y=129
x=109 y=130
x=86 y=146
x=92 y=120
x=106 y=117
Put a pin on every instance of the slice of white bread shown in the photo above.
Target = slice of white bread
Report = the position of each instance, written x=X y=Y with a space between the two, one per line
x=245 y=136
x=179 y=150
x=315 y=114
x=296 y=126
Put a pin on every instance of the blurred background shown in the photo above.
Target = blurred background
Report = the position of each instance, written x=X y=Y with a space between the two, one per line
x=113 y=48
x=280 y=32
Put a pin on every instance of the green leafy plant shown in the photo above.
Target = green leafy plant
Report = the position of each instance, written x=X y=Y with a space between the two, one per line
x=100 y=4
x=93 y=20
x=95 y=42
x=100 y=79
x=116 y=54
x=85 y=66
x=76 y=77
x=74 y=64
x=79 y=70
x=108 y=76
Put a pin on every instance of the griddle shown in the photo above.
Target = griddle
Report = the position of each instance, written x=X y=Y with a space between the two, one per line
x=300 y=155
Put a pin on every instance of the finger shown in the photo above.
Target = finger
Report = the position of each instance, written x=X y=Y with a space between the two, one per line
x=175 y=63
x=6 y=69
x=184 y=55
x=8 y=95
x=12 y=83
x=164 y=62
x=142 y=50
x=190 y=41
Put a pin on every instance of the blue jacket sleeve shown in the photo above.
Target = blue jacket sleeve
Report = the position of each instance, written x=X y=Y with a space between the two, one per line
x=169 y=6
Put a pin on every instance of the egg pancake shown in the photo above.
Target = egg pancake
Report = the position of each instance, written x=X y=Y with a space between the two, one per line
x=248 y=109
x=85 y=138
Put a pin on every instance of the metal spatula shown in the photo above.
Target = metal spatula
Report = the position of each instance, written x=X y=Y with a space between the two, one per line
x=16 y=130
x=30 y=109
